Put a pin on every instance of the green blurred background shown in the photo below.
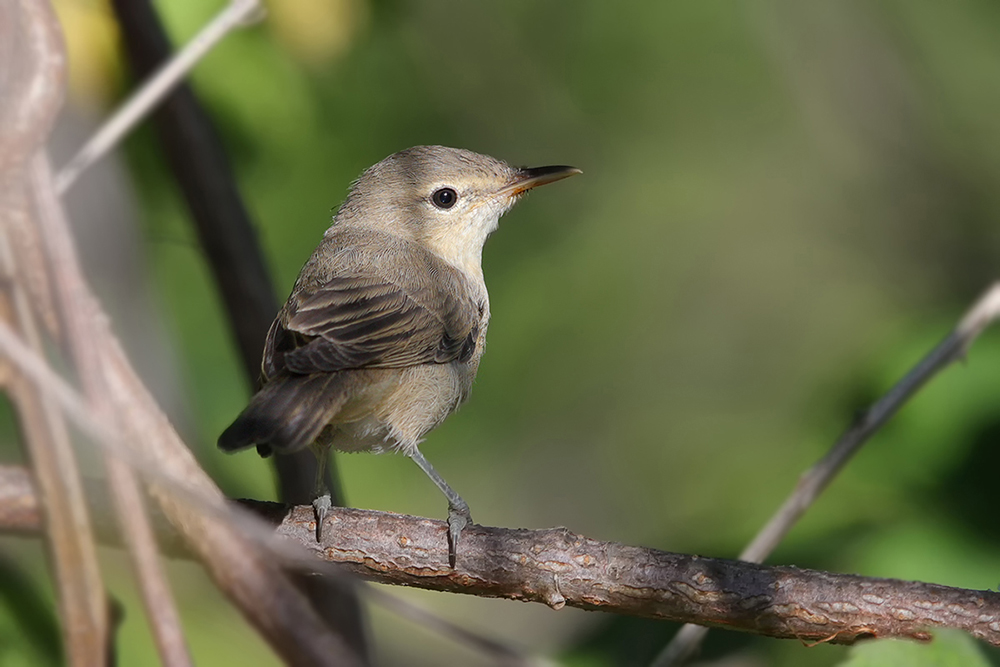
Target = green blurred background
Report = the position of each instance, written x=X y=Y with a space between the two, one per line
x=783 y=206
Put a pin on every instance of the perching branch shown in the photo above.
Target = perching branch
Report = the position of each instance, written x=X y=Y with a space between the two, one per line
x=558 y=568
x=20 y=514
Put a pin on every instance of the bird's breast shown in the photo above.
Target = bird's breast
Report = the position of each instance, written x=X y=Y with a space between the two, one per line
x=410 y=402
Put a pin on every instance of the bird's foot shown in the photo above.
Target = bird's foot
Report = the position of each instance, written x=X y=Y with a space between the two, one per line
x=459 y=517
x=321 y=505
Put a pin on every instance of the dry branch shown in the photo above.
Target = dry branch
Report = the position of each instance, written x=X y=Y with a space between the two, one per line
x=559 y=568
x=130 y=505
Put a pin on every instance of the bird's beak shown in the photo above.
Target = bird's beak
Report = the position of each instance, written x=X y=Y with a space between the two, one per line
x=531 y=177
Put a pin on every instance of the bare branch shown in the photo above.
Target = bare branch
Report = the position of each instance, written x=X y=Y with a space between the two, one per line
x=19 y=514
x=558 y=568
x=983 y=312
x=816 y=479
x=129 y=502
x=156 y=595
x=76 y=572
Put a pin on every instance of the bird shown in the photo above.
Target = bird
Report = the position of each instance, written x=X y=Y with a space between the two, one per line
x=383 y=332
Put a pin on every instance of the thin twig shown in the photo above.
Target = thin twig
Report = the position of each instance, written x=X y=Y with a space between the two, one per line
x=197 y=161
x=74 y=560
x=237 y=13
x=129 y=502
x=157 y=598
x=488 y=647
x=984 y=311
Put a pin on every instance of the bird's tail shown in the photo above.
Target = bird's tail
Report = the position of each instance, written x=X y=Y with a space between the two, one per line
x=287 y=414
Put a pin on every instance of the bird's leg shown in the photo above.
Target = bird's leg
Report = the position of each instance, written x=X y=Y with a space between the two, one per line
x=458 y=510
x=321 y=495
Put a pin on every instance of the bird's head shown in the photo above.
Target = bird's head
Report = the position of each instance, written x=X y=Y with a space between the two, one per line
x=447 y=199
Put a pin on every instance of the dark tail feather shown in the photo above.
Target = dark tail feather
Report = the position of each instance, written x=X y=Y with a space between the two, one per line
x=287 y=414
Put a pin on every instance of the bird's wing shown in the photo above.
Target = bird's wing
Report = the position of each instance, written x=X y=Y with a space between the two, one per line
x=360 y=319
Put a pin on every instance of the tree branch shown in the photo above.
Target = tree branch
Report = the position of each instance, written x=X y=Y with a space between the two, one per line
x=559 y=568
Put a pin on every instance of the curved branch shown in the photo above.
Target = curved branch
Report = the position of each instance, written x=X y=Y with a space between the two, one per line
x=559 y=568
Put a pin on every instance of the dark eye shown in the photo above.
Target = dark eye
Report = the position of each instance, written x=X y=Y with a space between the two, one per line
x=444 y=198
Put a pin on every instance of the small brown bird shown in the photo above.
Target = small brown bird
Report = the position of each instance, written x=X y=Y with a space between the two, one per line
x=382 y=335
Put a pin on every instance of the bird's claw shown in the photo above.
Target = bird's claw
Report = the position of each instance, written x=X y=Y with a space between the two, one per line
x=321 y=505
x=459 y=517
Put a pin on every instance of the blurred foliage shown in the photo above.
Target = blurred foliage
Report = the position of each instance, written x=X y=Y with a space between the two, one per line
x=784 y=206
x=29 y=632
x=950 y=649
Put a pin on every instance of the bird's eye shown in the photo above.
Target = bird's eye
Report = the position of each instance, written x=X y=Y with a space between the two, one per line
x=444 y=198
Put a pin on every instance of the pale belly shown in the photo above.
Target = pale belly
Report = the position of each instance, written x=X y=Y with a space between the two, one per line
x=402 y=408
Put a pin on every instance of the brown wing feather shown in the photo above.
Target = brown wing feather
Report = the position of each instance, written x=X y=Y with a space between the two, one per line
x=365 y=321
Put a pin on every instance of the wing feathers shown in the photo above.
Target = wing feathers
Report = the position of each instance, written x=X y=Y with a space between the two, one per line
x=288 y=413
x=365 y=321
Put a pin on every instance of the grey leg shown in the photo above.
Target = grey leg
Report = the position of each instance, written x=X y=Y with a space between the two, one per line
x=458 y=510
x=321 y=495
